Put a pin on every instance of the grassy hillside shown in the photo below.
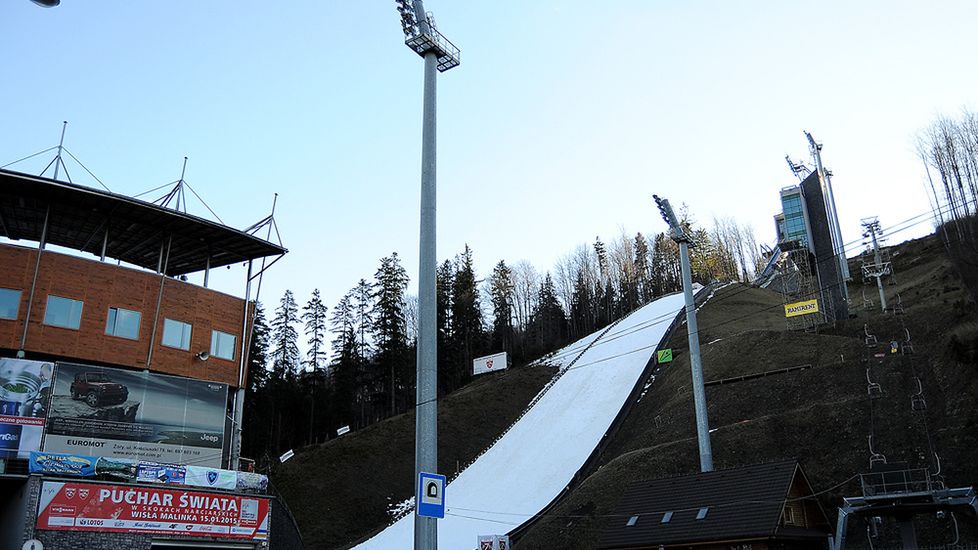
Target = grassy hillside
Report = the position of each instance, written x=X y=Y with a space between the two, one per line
x=820 y=415
x=340 y=491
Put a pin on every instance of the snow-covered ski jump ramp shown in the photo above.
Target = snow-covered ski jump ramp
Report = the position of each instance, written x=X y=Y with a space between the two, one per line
x=532 y=463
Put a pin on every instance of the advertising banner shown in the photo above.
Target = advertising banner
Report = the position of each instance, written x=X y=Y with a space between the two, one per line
x=82 y=466
x=801 y=308
x=494 y=542
x=250 y=481
x=214 y=478
x=136 y=415
x=153 y=472
x=157 y=510
x=489 y=363
x=24 y=390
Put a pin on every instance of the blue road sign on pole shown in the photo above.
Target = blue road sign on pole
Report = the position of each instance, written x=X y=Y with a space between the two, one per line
x=431 y=495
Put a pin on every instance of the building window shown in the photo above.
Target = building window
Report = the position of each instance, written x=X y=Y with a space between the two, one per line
x=789 y=516
x=123 y=323
x=222 y=345
x=667 y=517
x=63 y=312
x=9 y=303
x=632 y=521
x=176 y=334
x=702 y=513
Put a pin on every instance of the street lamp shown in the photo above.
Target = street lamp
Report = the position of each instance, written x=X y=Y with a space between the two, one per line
x=682 y=237
x=439 y=53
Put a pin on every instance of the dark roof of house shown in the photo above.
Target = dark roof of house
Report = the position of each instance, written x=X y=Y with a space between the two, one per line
x=741 y=503
x=80 y=216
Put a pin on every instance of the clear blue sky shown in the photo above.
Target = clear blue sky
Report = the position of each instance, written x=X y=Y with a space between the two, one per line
x=562 y=121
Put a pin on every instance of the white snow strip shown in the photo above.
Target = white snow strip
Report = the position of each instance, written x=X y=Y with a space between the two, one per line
x=536 y=459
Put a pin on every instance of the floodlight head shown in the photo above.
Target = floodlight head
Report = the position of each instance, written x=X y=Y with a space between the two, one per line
x=47 y=3
x=203 y=356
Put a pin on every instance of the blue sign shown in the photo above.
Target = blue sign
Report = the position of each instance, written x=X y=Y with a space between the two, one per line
x=431 y=495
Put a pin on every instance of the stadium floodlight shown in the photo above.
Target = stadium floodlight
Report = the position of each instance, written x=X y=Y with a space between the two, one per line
x=439 y=54
x=47 y=3
x=679 y=233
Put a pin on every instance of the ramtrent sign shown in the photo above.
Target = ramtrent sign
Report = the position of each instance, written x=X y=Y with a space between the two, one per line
x=135 y=509
x=801 y=308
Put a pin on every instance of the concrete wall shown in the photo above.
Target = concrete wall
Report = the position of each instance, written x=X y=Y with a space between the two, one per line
x=103 y=285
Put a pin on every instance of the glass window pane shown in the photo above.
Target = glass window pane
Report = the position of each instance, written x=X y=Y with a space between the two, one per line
x=123 y=323
x=176 y=334
x=63 y=312
x=9 y=303
x=222 y=345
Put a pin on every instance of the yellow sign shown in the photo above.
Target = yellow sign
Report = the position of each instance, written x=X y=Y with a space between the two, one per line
x=801 y=308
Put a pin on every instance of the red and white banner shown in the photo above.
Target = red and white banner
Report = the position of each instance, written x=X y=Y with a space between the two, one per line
x=140 y=509
x=489 y=363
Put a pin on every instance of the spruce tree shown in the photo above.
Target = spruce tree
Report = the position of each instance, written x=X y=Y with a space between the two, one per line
x=501 y=293
x=389 y=329
x=285 y=348
x=314 y=317
x=345 y=362
x=467 y=323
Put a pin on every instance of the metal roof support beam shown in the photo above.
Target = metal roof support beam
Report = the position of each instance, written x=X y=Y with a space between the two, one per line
x=105 y=242
x=37 y=268
x=242 y=379
x=207 y=270
x=159 y=301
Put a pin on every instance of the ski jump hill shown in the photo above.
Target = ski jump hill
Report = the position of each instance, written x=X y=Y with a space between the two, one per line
x=535 y=460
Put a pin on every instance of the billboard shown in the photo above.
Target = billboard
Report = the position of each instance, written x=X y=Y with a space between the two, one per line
x=489 y=363
x=139 y=509
x=24 y=389
x=136 y=415
x=801 y=308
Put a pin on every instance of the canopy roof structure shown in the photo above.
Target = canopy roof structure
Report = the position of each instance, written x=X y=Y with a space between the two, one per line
x=120 y=227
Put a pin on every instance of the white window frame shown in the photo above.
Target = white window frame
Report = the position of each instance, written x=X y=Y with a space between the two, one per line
x=19 y=294
x=167 y=322
x=71 y=313
x=112 y=322
x=215 y=344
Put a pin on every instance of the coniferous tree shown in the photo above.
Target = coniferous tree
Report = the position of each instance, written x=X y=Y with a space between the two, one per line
x=582 y=307
x=361 y=301
x=447 y=353
x=501 y=294
x=285 y=348
x=345 y=362
x=389 y=328
x=467 y=324
x=643 y=269
x=314 y=317
x=548 y=325
x=256 y=400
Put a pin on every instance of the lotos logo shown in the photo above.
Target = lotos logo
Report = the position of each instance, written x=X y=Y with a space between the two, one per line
x=70 y=493
x=83 y=493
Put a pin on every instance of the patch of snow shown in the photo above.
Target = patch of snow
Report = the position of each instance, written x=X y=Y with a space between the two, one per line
x=537 y=458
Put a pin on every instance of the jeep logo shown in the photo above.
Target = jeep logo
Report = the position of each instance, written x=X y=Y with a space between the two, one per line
x=211 y=438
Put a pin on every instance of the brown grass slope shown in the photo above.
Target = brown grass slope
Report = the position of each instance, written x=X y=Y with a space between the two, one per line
x=819 y=415
x=340 y=491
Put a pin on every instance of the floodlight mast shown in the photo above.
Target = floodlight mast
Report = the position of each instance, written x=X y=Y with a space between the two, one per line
x=682 y=237
x=441 y=55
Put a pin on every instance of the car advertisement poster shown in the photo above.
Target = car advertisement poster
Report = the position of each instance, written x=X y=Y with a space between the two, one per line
x=136 y=415
x=24 y=390
x=139 y=509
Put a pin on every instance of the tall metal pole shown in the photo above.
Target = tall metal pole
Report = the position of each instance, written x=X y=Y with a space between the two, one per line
x=695 y=365
x=679 y=234
x=426 y=417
